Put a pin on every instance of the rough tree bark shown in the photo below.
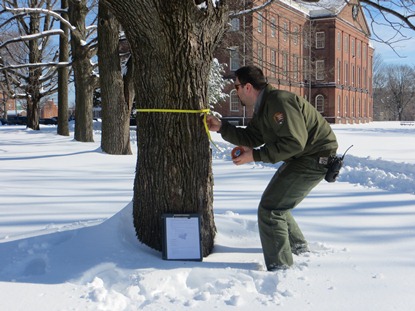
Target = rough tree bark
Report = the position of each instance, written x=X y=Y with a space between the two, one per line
x=172 y=44
x=116 y=109
x=85 y=81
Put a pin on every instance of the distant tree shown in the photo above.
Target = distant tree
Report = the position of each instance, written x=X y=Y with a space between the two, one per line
x=86 y=80
x=27 y=31
x=63 y=73
x=381 y=110
x=216 y=83
x=400 y=88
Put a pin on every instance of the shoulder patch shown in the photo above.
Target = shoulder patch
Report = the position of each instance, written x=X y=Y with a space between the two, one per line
x=279 y=118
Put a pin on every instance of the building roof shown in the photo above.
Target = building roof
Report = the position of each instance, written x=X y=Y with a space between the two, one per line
x=322 y=8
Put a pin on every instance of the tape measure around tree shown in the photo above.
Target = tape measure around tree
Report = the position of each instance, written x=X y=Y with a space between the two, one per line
x=205 y=112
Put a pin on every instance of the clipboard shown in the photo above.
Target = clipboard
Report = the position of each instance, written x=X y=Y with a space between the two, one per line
x=181 y=237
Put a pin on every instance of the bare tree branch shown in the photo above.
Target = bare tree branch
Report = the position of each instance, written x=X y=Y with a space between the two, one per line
x=40 y=10
x=32 y=37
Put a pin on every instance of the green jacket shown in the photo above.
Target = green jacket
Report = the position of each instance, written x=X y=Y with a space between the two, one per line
x=285 y=127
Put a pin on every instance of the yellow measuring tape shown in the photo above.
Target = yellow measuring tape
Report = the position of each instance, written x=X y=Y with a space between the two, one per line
x=204 y=111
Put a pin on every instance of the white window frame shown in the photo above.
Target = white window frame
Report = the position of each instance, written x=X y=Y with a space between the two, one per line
x=284 y=63
x=319 y=103
x=260 y=56
x=285 y=31
x=234 y=62
x=339 y=41
x=273 y=61
x=320 y=66
x=295 y=35
x=235 y=24
x=273 y=27
x=320 y=40
x=234 y=103
x=260 y=22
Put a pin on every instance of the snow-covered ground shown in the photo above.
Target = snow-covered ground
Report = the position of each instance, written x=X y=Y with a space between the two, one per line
x=67 y=241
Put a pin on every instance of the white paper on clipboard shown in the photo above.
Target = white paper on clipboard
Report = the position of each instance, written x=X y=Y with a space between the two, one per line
x=182 y=237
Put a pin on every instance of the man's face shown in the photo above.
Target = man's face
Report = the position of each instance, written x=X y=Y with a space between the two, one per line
x=240 y=91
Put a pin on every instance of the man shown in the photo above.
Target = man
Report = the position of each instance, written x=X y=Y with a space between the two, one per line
x=284 y=127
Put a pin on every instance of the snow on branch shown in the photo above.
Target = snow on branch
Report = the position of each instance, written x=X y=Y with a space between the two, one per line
x=49 y=64
x=33 y=36
x=39 y=10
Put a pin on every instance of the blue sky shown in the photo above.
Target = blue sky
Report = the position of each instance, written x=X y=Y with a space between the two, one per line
x=405 y=49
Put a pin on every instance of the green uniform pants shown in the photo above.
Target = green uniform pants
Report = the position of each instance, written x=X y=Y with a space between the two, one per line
x=278 y=230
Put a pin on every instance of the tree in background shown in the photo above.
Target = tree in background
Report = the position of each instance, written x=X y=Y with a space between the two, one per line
x=393 y=91
x=63 y=73
x=216 y=83
x=401 y=89
x=85 y=79
x=28 y=40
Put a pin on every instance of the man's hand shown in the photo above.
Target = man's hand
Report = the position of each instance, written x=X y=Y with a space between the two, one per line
x=213 y=123
x=245 y=157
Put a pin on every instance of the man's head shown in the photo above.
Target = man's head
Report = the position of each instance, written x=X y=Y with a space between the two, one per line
x=252 y=75
x=248 y=84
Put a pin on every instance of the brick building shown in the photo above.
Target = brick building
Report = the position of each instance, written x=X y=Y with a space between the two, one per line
x=320 y=51
x=49 y=110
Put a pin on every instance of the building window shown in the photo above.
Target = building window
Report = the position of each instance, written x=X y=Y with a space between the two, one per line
x=339 y=99
x=285 y=31
x=234 y=101
x=353 y=48
x=260 y=22
x=359 y=49
x=260 y=56
x=320 y=40
x=307 y=71
x=364 y=52
x=339 y=66
x=295 y=67
x=346 y=44
x=358 y=77
x=273 y=61
x=320 y=70
x=295 y=35
x=273 y=27
x=339 y=41
x=320 y=103
x=346 y=102
x=352 y=108
x=235 y=24
x=284 y=63
x=365 y=109
x=353 y=75
x=346 y=73
x=364 y=78
x=234 y=63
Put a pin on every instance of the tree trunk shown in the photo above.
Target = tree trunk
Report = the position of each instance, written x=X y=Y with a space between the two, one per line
x=172 y=44
x=83 y=75
x=63 y=75
x=116 y=109
x=34 y=84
